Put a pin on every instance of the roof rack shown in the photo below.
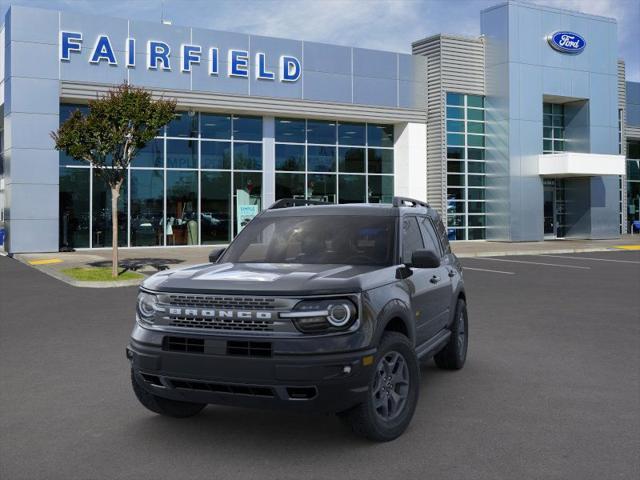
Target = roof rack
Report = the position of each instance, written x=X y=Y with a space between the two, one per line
x=408 y=202
x=296 y=202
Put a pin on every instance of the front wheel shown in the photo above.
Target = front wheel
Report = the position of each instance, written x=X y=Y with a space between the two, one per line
x=164 y=406
x=454 y=354
x=393 y=392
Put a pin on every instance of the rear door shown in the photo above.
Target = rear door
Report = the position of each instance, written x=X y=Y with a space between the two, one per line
x=419 y=284
x=441 y=281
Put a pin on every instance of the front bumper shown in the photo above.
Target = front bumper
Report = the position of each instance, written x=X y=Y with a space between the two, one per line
x=328 y=383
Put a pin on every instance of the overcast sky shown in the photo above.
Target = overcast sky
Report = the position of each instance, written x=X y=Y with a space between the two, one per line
x=379 y=24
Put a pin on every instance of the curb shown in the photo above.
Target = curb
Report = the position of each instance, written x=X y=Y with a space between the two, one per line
x=537 y=252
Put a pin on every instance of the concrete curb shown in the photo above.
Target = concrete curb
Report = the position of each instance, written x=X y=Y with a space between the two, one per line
x=536 y=252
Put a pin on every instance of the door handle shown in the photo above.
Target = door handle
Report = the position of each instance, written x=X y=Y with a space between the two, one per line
x=435 y=279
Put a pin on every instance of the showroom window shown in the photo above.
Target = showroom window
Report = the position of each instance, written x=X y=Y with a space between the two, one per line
x=339 y=162
x=552 y=128
x=188 y=186
x=633 y=183
x=465 y=130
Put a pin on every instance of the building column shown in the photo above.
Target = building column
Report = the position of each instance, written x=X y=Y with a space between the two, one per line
x=31 y=113
x=410 y=160
x=268 y=161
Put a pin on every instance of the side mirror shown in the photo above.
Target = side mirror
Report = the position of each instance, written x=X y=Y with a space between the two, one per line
x=425 y=259
x=215 y=254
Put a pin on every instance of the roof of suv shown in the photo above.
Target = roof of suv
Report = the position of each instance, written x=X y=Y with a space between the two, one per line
x=359 y=209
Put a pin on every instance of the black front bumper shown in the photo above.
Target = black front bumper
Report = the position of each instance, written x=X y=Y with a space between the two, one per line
x=330 y=382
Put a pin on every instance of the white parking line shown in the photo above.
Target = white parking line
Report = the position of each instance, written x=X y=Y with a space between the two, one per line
x=485 y=270
x=591 y=258
x=531 y=263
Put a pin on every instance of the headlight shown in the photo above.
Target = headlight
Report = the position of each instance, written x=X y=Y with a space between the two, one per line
x=320 y=316
x=147 y=306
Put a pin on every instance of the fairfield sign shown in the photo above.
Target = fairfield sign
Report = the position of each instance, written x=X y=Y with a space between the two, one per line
x=159 y=56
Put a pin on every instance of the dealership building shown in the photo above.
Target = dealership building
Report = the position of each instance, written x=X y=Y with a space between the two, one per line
x=525 y=133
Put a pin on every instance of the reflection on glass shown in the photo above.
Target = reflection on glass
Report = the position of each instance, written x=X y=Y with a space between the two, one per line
x=182 y=208
x=215 y=207
x=66 y=109
x=101 y=215
x=289 y=185
x=455 y=98
x=247 y=190
x=247 y=128
x=184 y=124
x=320 y=131
x=380 y=189
x=215 y=155
x=379 y=135
x=380 y=161
x=146 y=207
x=321 y=187
x=290 y=157
x=351 y=160
x=290 y=130
x=321 y=159
x=351 y=133
x=182 y=153
x=151 y=155
x=351 y=188
x=74 y=207
x=215 y=126
x=247 y=156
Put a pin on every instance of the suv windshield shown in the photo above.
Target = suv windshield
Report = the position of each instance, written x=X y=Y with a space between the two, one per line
x=315 y=239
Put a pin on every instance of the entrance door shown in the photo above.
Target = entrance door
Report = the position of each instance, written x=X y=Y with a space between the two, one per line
x=555 y=208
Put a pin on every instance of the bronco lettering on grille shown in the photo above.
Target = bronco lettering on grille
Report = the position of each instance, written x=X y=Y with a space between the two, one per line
x=211 y=313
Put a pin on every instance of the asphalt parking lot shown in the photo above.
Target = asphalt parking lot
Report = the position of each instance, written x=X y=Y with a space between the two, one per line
x=551 y=389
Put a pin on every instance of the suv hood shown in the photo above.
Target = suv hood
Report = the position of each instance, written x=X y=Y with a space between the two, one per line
x=271 y=279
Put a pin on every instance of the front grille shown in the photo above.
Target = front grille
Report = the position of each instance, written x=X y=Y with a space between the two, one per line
x=222 y=302
x=181 y=344
x=233 y=324
x=253 y=390
x=249 y=349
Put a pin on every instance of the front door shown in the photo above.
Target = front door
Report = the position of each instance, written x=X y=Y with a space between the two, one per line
x=555 y=208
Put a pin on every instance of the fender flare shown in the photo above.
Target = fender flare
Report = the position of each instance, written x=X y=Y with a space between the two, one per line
x=395 y=309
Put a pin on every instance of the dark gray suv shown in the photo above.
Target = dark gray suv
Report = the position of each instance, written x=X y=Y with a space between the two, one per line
x=313 y=307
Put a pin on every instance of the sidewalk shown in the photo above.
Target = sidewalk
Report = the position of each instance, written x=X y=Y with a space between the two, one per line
x=176 y=257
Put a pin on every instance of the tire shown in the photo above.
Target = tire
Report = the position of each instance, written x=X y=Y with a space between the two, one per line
x=164 y=406
x=368 y=419
x=454 y=354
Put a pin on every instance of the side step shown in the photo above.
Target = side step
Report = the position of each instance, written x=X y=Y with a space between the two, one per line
x=433 y=345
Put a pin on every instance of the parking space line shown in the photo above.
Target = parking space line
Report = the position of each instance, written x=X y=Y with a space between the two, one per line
x=591 y=258
x=486 y=270
x=532 y=263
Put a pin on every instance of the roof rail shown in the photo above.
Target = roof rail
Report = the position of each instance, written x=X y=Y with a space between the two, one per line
x=408 y=202
x=296 y=202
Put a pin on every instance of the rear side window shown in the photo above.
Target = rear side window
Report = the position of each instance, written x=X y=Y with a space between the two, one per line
x=442 y=234
x=431 y=241
x=411 y=238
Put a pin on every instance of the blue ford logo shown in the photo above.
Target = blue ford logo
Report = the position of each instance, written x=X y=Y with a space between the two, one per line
x=567 y=42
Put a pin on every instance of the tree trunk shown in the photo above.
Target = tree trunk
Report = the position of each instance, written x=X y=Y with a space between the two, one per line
x=115 y=193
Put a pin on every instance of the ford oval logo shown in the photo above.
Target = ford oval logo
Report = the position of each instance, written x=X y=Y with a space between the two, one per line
x=567 y=42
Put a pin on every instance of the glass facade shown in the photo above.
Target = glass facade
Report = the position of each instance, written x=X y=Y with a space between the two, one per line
x=186 y=186
x=465 y=130
x=633 y=184
x=552 y=128
x=340 y=162
x=181 y=189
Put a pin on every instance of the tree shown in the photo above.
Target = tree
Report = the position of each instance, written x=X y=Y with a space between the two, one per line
x=117 y=126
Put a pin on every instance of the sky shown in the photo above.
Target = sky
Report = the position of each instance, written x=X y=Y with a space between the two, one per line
x=378 y=24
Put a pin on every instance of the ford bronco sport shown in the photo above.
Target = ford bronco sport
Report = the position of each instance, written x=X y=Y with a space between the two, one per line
x=323 y=308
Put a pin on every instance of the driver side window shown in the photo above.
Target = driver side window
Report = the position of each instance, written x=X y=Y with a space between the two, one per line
x=411 y=238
